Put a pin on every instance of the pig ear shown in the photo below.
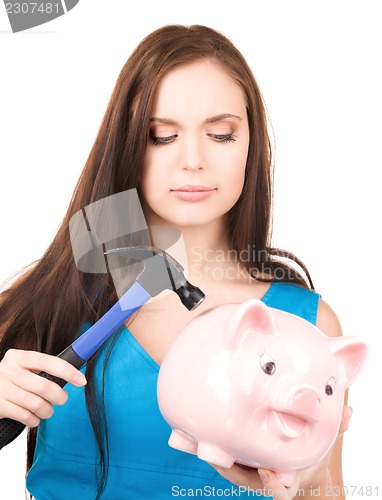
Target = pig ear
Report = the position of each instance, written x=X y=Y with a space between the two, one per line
x=351 y=353
x=252 y=315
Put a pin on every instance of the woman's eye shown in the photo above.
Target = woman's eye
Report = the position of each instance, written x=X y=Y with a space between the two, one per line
x=162 y=140
x=223 y=137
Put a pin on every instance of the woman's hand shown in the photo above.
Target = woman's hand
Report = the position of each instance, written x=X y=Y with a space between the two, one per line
x=27 y=397
x=266 y=482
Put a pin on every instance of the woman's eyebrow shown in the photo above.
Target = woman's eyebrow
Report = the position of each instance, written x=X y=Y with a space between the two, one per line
x=163 y=120
x=212 y=119
x=222 y=116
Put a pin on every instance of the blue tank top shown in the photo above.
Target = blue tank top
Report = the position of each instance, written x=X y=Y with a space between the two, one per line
x=142 y=465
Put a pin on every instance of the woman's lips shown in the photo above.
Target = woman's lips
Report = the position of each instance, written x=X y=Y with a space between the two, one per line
x=193 y=193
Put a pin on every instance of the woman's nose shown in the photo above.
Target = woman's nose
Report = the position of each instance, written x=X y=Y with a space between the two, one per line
x=191 y=154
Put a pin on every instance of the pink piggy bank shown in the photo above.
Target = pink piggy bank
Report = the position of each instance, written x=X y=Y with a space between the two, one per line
x=250 y=384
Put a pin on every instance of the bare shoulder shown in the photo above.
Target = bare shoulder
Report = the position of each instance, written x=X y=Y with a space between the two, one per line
x=327 y=320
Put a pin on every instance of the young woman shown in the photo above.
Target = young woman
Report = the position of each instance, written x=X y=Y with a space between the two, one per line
x=186 y=127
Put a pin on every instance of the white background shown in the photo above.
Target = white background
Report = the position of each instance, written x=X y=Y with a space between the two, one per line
x=318 y=65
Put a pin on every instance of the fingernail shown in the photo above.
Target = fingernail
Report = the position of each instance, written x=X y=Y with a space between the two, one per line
x=79 y=379
x=263 y=474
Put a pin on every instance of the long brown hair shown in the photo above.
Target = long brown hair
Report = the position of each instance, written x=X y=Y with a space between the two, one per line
x=34 y=309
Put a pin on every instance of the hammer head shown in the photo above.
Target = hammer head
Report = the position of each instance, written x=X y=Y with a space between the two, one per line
x=161 y=272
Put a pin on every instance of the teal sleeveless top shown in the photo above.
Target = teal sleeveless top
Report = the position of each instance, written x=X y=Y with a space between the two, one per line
x=141 y=464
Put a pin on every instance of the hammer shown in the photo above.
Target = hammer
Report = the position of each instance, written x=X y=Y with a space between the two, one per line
x=160 y=272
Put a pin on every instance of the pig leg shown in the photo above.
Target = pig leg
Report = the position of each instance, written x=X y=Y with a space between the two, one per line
x=183 y=441
x=215 y=455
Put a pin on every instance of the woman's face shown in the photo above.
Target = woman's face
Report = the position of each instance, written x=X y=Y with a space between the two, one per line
x=195 y=161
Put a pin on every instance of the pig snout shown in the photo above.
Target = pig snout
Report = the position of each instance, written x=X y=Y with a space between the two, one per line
x=302 y=407
x=306 y=404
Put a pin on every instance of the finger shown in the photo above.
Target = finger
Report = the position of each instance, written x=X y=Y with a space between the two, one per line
x=30 y=401
x=346 y=415
x=36 y=405
x=272 y=486
x=37 y=361
x=40 y=386
x=19 y=413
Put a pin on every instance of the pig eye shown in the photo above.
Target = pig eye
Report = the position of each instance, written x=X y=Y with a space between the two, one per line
x=267 y=364
x=330 y=386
